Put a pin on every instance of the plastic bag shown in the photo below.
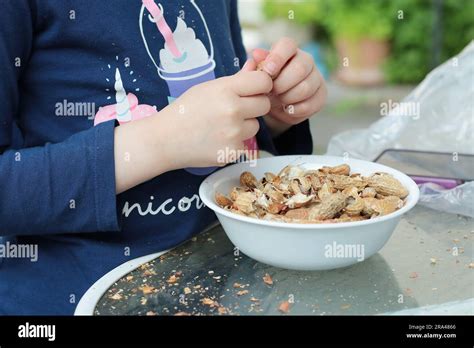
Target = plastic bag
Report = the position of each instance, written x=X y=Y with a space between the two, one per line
x=438 y=115
x=458 y=200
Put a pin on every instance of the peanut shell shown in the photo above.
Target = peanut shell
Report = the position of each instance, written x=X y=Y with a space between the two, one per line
x=387 y=185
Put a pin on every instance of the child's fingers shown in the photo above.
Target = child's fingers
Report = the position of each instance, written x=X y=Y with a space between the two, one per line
x=303 y=90
x=250 y=65
x=308 y=107
x=255 y=106
x=283 y=116
x=259 y=54
x=297 y=70
x=282 y=51
x=251 y=83
x=250 y=128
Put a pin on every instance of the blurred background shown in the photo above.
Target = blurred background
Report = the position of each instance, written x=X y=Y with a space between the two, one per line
x=369 y=51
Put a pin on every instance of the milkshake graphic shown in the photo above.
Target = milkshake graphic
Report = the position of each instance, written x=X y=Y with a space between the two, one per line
x=194 y=66
x=184 y=60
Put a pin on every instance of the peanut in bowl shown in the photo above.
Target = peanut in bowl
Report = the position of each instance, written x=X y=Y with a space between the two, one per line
x=302 y=230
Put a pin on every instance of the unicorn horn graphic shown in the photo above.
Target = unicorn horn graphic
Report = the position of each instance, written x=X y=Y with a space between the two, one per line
x=123 y=106
x=126 y=108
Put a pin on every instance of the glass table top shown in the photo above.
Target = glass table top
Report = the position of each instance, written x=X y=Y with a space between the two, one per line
x=427 y=261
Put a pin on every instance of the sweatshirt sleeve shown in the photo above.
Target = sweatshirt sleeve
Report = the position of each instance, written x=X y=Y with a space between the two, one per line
x=66 y=187
x=295 y=141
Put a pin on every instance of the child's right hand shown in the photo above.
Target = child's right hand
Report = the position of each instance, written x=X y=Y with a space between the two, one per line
x=214 y=116
x=193 y=130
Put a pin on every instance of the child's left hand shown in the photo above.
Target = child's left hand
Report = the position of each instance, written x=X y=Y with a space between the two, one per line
x=299 y=90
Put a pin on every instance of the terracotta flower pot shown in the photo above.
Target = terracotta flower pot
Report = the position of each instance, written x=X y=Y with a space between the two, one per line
x=360 y=61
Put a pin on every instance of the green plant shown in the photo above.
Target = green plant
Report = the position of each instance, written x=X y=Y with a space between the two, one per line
x=301 y=11
x=411 y=37
x=412 y=41
x=342 y=18
x=410 y=44
x=354 y=20
x=459 y=26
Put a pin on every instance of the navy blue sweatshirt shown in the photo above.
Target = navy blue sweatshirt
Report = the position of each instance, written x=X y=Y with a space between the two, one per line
x=70 y=72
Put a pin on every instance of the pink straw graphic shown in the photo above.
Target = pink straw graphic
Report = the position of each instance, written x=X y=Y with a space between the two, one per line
x=163 y=27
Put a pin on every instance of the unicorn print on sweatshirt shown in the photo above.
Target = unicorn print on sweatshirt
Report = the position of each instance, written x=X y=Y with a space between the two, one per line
x=183 y=61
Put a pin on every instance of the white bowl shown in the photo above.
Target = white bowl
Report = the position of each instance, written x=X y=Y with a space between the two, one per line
x=304 y=246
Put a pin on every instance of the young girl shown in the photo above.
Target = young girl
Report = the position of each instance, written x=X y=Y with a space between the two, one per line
x=111 y=115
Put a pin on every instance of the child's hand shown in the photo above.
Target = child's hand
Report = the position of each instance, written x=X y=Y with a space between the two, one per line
x=217 y=115
x=299 y=90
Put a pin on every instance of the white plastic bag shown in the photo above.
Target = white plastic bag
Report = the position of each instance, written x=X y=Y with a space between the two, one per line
x=458 y=200
x=437 y=116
